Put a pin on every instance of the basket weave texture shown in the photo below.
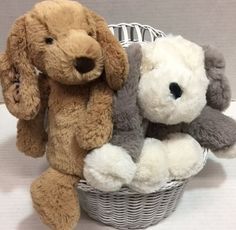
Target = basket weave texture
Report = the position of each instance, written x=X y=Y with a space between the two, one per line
x=128 y=33
x=127 y=209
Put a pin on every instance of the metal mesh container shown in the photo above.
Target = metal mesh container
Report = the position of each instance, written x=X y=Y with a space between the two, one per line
x=127 y=209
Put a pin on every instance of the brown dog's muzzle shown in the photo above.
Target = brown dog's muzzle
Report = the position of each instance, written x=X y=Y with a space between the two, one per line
x=75 y=58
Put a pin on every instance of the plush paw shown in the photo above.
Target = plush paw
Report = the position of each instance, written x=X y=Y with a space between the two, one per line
x=152 y=171
x=227 y=152
x=109 y=168
x=185 y=156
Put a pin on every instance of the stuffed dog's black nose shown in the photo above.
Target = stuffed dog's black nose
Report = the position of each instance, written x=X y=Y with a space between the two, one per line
x=175 y=90
x=84 y=64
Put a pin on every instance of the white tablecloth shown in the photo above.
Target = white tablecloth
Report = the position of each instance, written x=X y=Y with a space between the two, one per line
x=209 y=201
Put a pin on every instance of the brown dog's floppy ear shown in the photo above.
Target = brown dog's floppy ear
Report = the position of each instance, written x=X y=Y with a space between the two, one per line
x=218 y=93
x=116 y=61
x=18 y=77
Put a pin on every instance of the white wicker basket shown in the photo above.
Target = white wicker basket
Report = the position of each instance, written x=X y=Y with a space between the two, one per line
x=127 y=209
x=128 y=33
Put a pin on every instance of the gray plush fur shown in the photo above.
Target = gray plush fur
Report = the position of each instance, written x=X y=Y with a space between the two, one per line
x=128 y=129
x=161 y=131
x=218 y=93
x=211 y=128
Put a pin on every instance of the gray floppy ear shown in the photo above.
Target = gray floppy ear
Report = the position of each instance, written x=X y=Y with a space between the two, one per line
x=218 y=93
x=125 y=100
x=134 y=52
x=128 y=129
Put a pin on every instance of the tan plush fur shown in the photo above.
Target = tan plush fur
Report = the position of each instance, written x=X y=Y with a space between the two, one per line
x=31 y=134
x=64 y=203
x=63 y=111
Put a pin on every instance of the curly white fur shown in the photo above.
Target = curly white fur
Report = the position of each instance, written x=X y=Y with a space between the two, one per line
x=172 y=60
x=109 y=168
x=185 y=156
x=178 y=157
x=152 y=168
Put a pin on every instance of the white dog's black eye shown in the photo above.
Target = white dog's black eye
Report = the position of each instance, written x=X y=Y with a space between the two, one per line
x=49 y=40
x=175 y=90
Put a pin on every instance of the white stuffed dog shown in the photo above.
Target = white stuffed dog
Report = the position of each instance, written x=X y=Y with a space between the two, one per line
x=167 y=84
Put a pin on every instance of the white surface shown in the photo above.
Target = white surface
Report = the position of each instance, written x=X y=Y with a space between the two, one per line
x=209 y=201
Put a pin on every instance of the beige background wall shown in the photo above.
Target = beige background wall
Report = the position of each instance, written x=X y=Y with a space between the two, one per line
x=203 y=21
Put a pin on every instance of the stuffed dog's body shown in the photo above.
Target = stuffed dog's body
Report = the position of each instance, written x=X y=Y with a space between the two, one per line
x=208 y=126
x=65 y=110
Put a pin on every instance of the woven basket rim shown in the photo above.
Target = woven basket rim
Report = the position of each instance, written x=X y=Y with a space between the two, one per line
x=127 y=191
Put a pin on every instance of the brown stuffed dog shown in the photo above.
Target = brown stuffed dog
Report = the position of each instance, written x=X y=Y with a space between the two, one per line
x=59 y=69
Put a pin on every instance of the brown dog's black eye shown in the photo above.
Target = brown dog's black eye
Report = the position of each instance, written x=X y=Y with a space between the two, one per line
x=49 y=40
x=90 y=34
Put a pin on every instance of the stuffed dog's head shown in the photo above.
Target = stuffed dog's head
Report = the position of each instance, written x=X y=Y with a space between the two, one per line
x=173 y=82
x=65 y=41
x=61 y=37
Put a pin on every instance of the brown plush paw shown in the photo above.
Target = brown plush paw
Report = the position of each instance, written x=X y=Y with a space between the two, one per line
x=55 y=199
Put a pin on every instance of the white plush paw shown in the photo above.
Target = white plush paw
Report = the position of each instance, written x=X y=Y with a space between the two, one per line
x=109 y=168
x=227 y=152
x=185 y=156
x=152 y=171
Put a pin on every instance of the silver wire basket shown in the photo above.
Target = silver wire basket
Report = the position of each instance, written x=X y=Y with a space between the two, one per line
x=127 y=209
